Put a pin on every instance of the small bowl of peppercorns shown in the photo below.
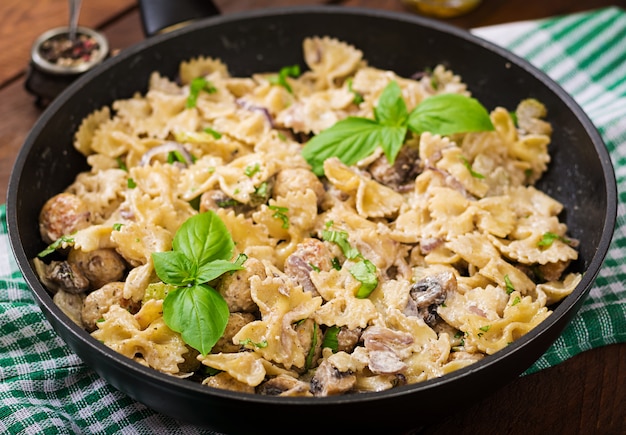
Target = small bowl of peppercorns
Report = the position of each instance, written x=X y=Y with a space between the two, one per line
x=57 y=59
x=56 y=52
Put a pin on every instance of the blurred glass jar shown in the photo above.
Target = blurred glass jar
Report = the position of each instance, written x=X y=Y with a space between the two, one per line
x=442 y=8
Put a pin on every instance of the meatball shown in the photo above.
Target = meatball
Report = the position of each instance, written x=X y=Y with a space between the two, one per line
x=299 y=179
x=98 y=302
x=235 y=287
x=236 y=321
x=61 y=215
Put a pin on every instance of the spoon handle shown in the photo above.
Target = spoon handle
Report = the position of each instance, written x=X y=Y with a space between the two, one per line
x=74 y=13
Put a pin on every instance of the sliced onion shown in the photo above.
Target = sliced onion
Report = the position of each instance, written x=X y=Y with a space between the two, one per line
x=253 y=107
x=165 y=148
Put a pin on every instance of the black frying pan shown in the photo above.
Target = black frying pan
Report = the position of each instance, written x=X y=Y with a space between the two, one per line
x=580 y=176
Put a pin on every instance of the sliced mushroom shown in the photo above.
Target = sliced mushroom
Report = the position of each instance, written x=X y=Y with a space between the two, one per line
x=401 y=174
x=100 y=266
x=61 y=215
x=66 y=276
x=427 y=294
x=386 y=349
x=71 y=304
x=329 y=381
x=284 y=385
x=226 y=382
x=309 y=254
x=214 y=200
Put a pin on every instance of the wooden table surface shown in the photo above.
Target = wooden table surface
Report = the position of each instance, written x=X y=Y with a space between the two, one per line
x=584 y=395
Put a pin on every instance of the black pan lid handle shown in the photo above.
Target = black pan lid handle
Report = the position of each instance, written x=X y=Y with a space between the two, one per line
x=160 y=15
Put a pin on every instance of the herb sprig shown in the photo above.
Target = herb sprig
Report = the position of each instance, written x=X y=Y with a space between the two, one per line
x=363 y=270
x=196 y=86
x=201 y=250
x=354 y=138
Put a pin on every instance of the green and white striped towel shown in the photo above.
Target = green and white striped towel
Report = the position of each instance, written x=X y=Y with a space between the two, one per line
x=46 y=389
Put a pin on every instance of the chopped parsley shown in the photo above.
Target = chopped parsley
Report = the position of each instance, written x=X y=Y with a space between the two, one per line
x=280 y=213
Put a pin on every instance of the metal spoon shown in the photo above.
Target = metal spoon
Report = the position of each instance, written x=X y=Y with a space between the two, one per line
x=74 y=13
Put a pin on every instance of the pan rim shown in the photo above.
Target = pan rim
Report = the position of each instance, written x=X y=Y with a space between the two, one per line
x=559 y=315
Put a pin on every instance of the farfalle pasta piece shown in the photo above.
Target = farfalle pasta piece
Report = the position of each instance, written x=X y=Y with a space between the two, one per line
x=495 y=216
x=241 y=178
x=457 y=165
x=114 y=138
x=289 y=217
x=247 y=126
x=267 y=98
x=531 y=201
x=137 y=282
x=101 y=192
x=167 y=114
x=246 y=367
x=505 y=274
x=250 y=238
x=372 y=199
x=525 y=246
x=330 y=59
x=342 y=307
x=450 y=212
x=201 y=66
x=281 y=304
x=316 y=112
x=94 y=237
x=136 y=241
x=533 y=149
x=490 y=328
x=88 y=127
x=143 y=337
x=555 y=291
x=199 y=177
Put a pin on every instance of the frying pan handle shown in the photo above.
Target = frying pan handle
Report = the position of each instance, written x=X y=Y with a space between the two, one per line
x=159 y=15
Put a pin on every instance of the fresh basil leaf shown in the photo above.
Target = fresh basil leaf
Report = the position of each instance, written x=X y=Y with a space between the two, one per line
x=213 y=269
x=198 y=313
x=311 y=354
x=341 y=239
x=391 y=140
x=203 y=238
x=330 y=339
x=365 y=272
x=391 y=108
x=447 y=114
x=174 y=268
x=350 y=140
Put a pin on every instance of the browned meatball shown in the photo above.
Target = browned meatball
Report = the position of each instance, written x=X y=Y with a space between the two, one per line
x=298 y=179
x=61 y=215
x=235 y=287
x=236 y=321
x=98 y=302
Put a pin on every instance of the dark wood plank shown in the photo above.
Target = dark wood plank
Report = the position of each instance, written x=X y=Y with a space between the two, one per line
x=583 y=395
x=24 y=20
